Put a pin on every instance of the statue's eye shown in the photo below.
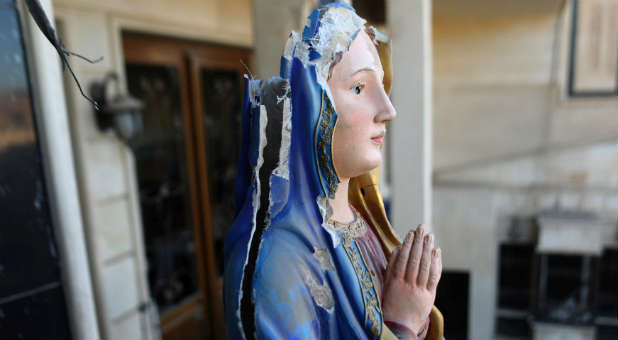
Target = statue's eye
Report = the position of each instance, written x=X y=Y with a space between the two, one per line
x=358 y=89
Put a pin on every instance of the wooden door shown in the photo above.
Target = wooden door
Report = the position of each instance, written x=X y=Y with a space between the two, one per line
x=186 y=164
x=216 y=78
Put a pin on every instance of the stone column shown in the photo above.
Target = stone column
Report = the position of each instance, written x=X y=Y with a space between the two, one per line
x=409 y=24
x=272 y=22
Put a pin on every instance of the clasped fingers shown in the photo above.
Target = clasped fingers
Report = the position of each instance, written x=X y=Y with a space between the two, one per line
x=416 y=261
x=435 y=271
x=419 y=254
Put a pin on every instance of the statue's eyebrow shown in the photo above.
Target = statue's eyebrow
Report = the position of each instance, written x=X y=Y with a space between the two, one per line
x=364 y=69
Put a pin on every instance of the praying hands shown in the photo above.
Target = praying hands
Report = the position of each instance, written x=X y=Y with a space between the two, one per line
x=411 y=279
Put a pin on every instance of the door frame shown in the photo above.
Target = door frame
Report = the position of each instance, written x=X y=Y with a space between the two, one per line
x=198 y=60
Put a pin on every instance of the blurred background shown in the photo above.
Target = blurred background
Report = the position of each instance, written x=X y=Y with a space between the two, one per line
x=112 y=223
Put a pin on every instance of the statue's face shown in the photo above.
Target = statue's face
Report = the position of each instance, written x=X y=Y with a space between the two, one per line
x=363 y=109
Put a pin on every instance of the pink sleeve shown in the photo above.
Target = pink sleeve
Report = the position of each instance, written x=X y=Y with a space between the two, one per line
x=404 y=333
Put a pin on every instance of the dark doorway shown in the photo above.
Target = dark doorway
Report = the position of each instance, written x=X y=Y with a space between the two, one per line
x=452 y=299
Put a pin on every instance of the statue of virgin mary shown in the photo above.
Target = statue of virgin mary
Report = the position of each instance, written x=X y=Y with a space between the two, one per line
x=311 y=253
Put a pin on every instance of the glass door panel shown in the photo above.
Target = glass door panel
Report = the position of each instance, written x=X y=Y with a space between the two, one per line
x=221 y=119
x=165 y=200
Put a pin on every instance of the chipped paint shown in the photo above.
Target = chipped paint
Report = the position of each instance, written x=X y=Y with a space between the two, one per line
x=337 y=29
x=288 y=50
x=322 y=296
x=283 y=169
x=326 y=211
x=323 y=257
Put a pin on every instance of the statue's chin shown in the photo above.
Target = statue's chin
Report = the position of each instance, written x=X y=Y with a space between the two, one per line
x=375 y=161
x=367 y=166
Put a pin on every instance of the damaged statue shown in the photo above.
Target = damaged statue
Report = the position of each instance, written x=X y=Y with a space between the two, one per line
x=311 y=253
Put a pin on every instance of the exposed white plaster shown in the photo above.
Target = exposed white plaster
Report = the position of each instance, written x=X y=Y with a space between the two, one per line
x=292 y=41
x=327 y=212
x=263 y=141
x=283 y=169
x=321 y=293
x=323 y=256
x=338 y=27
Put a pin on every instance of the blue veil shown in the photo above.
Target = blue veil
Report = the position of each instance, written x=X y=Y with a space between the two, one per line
x=288 y=272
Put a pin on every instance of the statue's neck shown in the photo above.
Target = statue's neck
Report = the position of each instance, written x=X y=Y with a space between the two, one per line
x=340 y=204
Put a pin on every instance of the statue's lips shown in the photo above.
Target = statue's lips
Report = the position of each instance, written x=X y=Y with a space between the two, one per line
x=379 y=139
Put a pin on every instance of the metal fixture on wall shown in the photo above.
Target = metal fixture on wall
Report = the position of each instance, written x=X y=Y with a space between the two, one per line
x=123 y=112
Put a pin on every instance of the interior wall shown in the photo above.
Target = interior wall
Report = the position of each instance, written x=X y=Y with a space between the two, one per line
x=499 y=88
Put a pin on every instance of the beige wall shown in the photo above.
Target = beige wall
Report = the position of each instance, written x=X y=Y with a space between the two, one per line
x=507 y=139
x=225 y=21
x=499 y=88
x=105 y=166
